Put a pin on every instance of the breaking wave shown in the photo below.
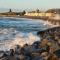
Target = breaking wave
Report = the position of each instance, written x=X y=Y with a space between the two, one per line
x=9 y=39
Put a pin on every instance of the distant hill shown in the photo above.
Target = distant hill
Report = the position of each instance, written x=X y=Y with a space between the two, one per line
x=53 y=11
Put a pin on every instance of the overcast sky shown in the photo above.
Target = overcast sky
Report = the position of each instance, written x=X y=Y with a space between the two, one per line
x=33 y=4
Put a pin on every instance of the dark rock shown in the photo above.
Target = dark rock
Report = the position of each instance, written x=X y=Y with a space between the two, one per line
x=57 y=53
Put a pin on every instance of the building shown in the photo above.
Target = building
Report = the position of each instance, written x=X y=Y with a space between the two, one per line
x=49 y=14
x=41 y=14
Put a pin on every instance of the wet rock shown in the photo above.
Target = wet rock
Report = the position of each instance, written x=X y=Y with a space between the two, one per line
x=45 y=55
x=17 y=49
x=20 y=57
x=57 y=53
x=1 y=54
x=52 y=57
x=11 y=52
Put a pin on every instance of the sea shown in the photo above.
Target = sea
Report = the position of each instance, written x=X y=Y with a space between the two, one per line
x=19 y=31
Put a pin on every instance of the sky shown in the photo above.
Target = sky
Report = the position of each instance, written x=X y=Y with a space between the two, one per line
x=30 y=4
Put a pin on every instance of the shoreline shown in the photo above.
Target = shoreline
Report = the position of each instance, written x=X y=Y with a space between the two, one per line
x=29 y=17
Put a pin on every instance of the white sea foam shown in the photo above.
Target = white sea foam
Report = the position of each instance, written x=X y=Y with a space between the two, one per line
x=19 y=39
x=49 y=25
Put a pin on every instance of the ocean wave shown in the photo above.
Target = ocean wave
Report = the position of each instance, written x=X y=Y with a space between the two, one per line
x=20 y=38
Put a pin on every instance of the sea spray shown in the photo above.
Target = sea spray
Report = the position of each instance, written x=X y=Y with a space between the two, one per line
x=29 y=39
x=19 y=40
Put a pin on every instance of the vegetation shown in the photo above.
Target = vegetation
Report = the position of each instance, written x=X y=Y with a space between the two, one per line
x=10 y=13
x=10 y=10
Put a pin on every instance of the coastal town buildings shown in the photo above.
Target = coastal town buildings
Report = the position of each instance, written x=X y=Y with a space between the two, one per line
x=49 y=14
x=40 y=14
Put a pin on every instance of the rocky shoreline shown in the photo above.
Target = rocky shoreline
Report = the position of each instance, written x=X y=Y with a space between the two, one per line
x=46 y=49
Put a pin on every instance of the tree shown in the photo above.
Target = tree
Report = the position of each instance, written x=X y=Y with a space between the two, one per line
x=10 y=10
x=23 y=12
x=37 y=10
